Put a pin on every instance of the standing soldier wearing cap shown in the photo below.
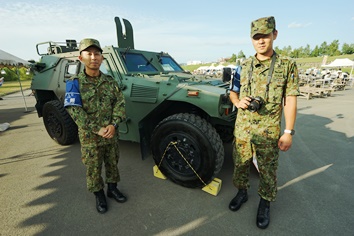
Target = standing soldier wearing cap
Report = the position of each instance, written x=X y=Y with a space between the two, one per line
x=267 y=85
x=97 y=106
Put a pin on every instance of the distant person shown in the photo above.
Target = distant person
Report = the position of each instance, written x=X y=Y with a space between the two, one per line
x=1 y=83
x=97 y=106
x=267 y=85
x=3 y=126
x=327 y=77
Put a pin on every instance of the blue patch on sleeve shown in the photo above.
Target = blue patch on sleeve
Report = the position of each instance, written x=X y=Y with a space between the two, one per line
x=72 y=94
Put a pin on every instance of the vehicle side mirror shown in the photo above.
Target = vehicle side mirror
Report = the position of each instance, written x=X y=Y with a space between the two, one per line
x=226 y=74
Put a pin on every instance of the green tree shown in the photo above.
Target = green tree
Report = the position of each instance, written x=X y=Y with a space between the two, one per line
x=295 y=53
x=348 y=49
x=287 y=51
x=333 y=48
x=232 y=58
x=315 y=52
x=303 y=52
x=278 y=50
x=324 y=49
x=306 y=51
x=241 y=54
x=12 y=73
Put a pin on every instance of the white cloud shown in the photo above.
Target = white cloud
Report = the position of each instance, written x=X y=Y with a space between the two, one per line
x=298 y=25
x=26 y=24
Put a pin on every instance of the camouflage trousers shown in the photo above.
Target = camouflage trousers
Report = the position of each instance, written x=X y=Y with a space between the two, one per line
x=267 y=158
x=93 y=157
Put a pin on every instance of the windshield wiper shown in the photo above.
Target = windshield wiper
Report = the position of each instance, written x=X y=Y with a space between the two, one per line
x=149 y=62
x=125 y=52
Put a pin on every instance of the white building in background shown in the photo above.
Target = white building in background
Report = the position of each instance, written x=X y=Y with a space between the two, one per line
x=194 y=62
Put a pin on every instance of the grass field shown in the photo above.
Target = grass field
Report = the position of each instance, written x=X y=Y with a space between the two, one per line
x=14 y=86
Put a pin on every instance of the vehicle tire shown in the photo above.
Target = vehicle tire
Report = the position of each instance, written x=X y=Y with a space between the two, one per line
x=58 y=123
x=226 y=133
x=197 y=141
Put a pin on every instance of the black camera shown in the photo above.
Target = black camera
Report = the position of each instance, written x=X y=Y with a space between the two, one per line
x=255 y=104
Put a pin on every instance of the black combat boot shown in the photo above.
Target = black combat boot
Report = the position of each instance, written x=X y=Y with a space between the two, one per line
x=113 y=192
x=101 y=203
x=263 y=214
x=237 y=201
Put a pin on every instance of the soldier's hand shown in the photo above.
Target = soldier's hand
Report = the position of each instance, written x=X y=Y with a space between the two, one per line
x=102 y=131
x=108 y=131
x=243 y=103
x=285 y=142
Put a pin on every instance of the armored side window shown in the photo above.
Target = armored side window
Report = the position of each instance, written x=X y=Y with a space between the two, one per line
x=72 y=68
x=106 y=68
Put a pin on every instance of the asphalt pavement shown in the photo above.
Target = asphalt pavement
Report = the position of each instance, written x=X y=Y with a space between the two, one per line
x=43 y=188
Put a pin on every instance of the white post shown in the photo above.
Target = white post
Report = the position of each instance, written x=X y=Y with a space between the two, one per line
x=19 y=80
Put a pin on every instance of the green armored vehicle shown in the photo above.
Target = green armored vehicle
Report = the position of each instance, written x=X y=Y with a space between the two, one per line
x=180 y=119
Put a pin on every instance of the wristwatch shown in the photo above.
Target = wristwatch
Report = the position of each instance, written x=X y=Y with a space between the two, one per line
x=289 y=131
x=115 y=125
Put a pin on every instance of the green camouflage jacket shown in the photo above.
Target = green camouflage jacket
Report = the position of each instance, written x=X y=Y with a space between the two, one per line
x=102 y=104
x=284 y=82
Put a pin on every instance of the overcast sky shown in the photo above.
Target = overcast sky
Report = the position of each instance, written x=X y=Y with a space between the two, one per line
x=188 y=30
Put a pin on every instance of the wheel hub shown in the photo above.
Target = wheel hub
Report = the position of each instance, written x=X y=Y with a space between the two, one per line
x=183 y=156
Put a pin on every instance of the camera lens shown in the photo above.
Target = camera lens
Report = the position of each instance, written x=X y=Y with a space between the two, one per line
x=255 y=104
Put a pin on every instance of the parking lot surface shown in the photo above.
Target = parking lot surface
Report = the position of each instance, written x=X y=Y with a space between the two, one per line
x=43 y=188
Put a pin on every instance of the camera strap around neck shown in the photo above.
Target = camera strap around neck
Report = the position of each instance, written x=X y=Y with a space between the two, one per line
x=270 y=72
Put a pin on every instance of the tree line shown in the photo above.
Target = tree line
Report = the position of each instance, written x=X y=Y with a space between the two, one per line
x=331 y=49
x=11 y=73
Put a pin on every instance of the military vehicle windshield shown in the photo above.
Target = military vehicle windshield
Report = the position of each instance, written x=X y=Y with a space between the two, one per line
x=136 y=62
x=168 y=64
x=139 y=62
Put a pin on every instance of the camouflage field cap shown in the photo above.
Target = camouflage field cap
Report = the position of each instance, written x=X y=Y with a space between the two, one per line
x=85 y=43
x=264 y=25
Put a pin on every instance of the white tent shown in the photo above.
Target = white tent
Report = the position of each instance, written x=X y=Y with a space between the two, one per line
x=231 y=66
x=345 y=62
x=9 y=59
x=212 y=67
x=201 y=69
x=219 y=67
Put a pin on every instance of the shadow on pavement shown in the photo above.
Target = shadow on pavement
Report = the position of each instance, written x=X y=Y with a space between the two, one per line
x=314 y=177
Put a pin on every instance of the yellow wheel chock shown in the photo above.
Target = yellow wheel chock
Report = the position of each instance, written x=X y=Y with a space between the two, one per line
x=212 y=188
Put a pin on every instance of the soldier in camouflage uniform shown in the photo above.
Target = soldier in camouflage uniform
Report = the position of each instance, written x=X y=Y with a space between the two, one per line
x=274 y=80
x=98 y=115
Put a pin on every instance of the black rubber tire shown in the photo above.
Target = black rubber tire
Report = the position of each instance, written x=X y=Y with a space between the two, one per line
x=197 y=141
x=58 y=123
x=226 y=133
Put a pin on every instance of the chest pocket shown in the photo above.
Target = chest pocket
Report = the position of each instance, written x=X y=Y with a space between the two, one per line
x=277 y=87
x=89 y=98
x=107 y=98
